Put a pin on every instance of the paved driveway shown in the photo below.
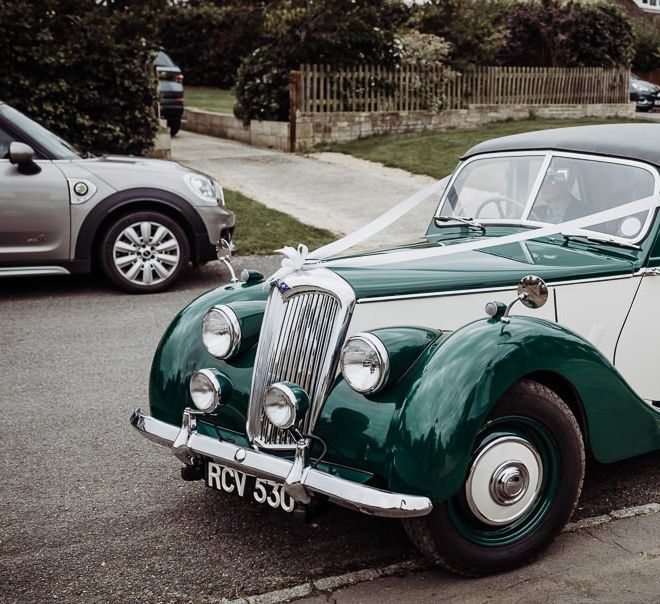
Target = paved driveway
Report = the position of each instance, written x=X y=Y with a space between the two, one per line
x=327 y=190
x=92 y=512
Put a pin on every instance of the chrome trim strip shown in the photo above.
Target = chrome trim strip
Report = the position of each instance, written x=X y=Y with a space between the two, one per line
x=33 y=270
x=353 y=495
x=483 y=290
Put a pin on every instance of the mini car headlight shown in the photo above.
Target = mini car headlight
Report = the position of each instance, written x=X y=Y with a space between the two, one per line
x=202 y=187
x=285 y=404
x=221 y=331
x=219 y=193
x=205 y=390
x=365 y=363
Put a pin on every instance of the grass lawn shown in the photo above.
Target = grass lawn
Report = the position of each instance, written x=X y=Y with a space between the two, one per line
x=261 y=230
x=436 y=153
x=210 y=99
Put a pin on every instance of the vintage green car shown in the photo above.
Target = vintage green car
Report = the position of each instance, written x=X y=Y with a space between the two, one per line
x=404 y=382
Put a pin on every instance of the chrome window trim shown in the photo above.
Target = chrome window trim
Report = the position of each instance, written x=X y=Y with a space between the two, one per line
x=548 y=157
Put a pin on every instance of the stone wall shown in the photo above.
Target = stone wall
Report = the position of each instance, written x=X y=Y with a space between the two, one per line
x=274 y=135
x=313 y=129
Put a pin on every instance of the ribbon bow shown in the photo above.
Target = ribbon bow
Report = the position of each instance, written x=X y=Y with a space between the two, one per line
x=294 y=261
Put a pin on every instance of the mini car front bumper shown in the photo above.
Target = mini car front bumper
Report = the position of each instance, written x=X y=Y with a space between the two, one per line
x=186 y=443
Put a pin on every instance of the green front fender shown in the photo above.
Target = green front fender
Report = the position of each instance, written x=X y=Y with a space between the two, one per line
x=456 y=382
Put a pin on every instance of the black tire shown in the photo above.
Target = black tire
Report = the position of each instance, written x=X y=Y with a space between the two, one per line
x=455 y=537
x=174 y=124
x=174 y=240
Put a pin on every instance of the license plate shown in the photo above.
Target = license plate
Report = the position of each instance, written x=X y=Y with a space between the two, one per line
x=229 y=480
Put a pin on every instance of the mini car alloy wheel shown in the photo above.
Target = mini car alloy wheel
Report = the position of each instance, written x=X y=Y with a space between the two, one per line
x=511 y=506
x=144 y=252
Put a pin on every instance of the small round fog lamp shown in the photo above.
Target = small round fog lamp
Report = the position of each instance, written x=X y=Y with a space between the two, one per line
x=205 y=390
x=285 y=404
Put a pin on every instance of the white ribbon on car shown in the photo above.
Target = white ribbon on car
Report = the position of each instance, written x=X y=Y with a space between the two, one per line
x=320 y=256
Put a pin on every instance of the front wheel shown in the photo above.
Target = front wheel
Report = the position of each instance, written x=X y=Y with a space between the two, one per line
x=523 y=483
x=144 y=252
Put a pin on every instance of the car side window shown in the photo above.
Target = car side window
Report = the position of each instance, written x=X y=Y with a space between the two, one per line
x=5 y=140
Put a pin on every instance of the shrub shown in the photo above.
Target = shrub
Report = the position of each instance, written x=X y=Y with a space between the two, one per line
x=333 y=32
x=78 y=69
x=551 y=33
x=646 y=56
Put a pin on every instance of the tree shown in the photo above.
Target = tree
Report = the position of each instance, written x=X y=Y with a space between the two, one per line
x=475 y=29
x=334 y=32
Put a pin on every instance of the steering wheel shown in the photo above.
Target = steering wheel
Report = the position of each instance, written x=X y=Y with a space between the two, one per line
x=500 y=203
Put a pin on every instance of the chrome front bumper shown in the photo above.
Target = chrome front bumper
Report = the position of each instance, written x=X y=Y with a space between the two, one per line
x=187 y=444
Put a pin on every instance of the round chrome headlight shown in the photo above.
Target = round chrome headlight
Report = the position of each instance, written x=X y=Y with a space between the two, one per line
x=365 y=363
x=221 y=332
x=205 y=390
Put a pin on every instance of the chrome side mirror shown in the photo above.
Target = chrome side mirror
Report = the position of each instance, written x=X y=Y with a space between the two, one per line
x=532 y=293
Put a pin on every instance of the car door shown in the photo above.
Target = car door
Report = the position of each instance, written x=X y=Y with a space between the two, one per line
x=34 y=211
x=638 y=350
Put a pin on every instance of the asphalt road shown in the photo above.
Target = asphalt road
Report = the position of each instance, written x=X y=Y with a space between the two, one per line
x=92 y=512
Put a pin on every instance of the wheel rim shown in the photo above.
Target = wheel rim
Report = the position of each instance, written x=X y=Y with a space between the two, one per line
x=146 y=253
x=512 y=483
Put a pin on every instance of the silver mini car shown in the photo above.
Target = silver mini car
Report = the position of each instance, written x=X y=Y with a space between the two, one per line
x=141 y=221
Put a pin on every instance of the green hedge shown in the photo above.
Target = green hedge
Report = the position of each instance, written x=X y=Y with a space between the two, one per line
x=82 y=70
x=208 y=42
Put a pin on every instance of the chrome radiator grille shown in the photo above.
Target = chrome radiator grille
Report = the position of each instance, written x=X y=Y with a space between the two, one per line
x=302 y=331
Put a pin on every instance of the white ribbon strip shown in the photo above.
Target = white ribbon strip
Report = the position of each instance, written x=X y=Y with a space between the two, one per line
x=628 y=209
x=299 y=260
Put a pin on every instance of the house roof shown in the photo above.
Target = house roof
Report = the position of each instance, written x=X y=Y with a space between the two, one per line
x=630 y=141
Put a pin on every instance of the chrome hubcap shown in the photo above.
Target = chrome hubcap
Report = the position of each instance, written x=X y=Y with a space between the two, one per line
x=146 y=253
x=504 y=480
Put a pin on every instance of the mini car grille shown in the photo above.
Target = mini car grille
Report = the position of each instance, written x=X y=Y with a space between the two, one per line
x=301 y=334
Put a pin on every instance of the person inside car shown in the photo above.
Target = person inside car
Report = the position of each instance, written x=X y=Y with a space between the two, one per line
x=555 y=202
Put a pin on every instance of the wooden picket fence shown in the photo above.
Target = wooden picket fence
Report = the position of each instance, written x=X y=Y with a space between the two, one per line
x=373 y=88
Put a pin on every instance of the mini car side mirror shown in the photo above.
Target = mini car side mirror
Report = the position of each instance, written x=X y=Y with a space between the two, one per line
x=22 y=155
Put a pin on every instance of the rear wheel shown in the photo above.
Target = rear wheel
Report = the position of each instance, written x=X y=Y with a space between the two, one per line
x=144 y=252
x=523 y=483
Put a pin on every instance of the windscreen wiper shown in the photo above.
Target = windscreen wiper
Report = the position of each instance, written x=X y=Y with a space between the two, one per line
x=606 y=240
x=441 y=221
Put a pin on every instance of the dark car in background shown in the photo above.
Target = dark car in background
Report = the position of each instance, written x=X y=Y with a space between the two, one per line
x=170 y=91
x=644 y=94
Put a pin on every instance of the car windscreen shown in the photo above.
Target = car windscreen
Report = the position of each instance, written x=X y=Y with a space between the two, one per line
x=162 y=60
x=57 y=147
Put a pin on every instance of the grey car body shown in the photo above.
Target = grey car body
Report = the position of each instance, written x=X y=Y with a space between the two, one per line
x=55 y=214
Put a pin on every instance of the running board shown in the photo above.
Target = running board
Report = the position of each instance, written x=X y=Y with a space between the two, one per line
x=25 y=271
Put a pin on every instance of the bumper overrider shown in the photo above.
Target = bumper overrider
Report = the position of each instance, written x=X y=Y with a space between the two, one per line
x=299 y=480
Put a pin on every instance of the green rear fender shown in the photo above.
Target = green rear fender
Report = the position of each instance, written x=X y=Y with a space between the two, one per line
x=455 y=383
